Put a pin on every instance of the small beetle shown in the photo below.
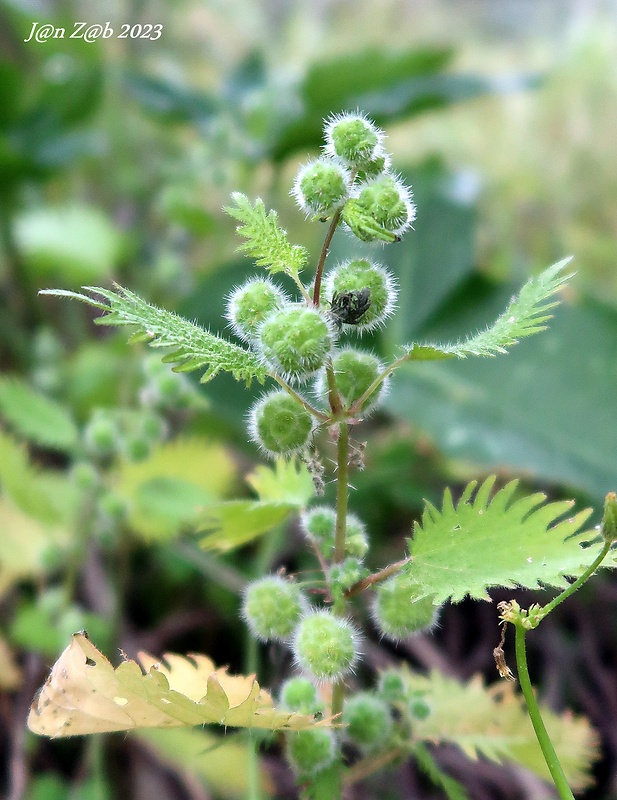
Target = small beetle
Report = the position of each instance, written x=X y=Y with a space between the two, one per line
x=348 y=308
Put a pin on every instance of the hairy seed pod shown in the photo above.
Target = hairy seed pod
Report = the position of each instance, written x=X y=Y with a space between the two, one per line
x=296 y=341
x=354 y=139
x=368 y=720
x=272 y=607
x=310 y=751
x=325 y=646
x=355 y=371
x=357 y=275
x=279 y=425
x=250 y=304
x=321 y=187
x=300 y=694
x=381 y=209
x=397 y=614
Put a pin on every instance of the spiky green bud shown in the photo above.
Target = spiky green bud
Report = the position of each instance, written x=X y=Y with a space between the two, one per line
x=250 y=304
x=396 y=612
x=272 y=607
x=325 y=646
x=359 y=274
x=321 y=187
x=311 y=751
x=354 y=139
x=300 y=694
x=296 y=341
x=279 y=425
x=368 y=720
x=355 y=371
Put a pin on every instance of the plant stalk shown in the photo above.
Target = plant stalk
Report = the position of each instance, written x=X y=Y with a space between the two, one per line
x=578 y=582
x=323 y=255
x=544 y=740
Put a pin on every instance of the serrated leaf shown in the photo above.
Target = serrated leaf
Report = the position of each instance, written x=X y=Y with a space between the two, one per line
x=524 y=316
x=84 y=694
x=168 y=490
x=266 y=241
x=194 y=346
x=36 y=417
x=222 y=764
x=464 y=549
x=238 y=522
x=493 y=722
x=452 y=788
x=288 y=482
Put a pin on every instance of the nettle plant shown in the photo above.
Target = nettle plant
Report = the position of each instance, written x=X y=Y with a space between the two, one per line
x=322 y=389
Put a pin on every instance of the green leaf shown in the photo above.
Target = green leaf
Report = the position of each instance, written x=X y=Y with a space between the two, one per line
x=194 y=347
x=222 y=764
x=493 y=722
x=36 y=417
x=266 y=241
x=468 y=547
x=452 y=788
x=167 y=491
x=74 y=244
x=524 y=316
x=288 y=482
x=171 y=102
x=547 y=408
x=239 y=522
x=42 y=494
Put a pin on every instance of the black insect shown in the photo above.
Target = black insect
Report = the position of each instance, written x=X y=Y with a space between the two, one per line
x=348 y=308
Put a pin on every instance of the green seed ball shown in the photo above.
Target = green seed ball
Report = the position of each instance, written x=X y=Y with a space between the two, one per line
x=319 y=524
x=388 y=202
x=354 y=139
x=325 y=645
x=250 y=304
x=296 y=341
x=101 y=436
x=355 y=371
x=391 y=686
x=397 y=614
x=356 y=541
x=300 y=694
x=272 y=607
x=311 y=751
x=361 y=274
x=321 y=187
x=279 y=424
x=343 y=576
x=368 y=720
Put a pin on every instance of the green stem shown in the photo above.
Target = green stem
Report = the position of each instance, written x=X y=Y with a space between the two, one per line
x=342 y=491
x=550 y=756
x=323 y=255
x=376 y=577
x=355 y=408
x=578 y=582
x=304 y=403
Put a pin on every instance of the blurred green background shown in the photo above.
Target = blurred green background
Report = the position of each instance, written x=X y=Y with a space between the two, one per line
x=116 y=159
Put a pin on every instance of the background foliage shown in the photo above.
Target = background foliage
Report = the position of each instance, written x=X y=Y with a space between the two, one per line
x=116 y=159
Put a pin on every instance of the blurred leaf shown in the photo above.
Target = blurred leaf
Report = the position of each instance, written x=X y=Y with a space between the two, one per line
x=45 y=495
x=10 y=674
x=238 y=522
x=429 y=265
x=169 y=101
x=85 y=694
x=334 y=85
x=223 y=770
x=167 y=490
x=547 y=408
x=493 y=722
x=48 y=787
x=11 y=80
x=465 y=549
x=24 y=544
x=288 y=482
x=36 y=417
x=72 y=244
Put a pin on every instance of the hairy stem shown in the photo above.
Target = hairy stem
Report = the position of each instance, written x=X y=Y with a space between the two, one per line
x=376 y=577
x=342 y=494
x=323 y=255
x=548 y=751
x=304 y=403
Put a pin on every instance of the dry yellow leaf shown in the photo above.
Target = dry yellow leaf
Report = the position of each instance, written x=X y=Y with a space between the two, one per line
x=85 y=694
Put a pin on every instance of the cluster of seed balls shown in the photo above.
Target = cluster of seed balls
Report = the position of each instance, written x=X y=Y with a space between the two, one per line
x=296 y=340
x=326 y=647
